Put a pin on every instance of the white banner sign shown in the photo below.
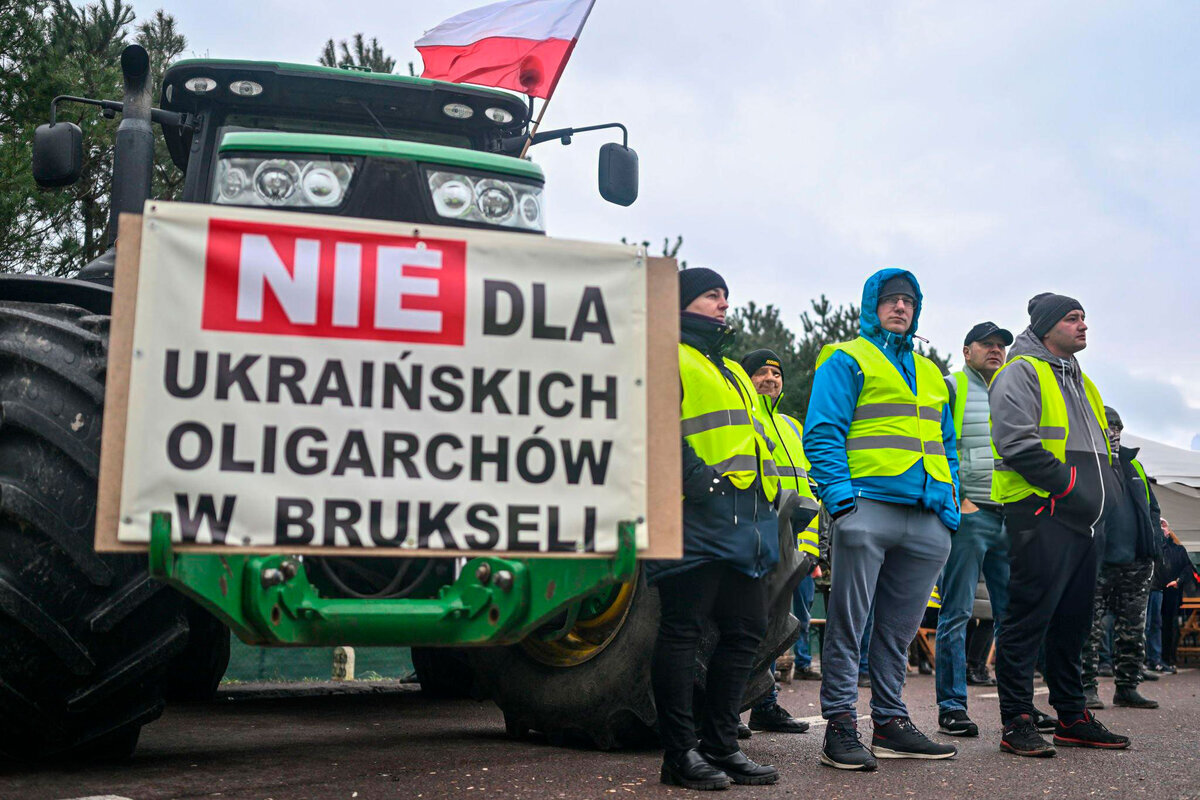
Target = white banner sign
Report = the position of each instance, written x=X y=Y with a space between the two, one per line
x=302 y=380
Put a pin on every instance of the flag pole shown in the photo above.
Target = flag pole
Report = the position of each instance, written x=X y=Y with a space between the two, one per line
x=533 y=130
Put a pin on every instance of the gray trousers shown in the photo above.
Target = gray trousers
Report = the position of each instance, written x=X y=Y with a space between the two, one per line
x=892 y=554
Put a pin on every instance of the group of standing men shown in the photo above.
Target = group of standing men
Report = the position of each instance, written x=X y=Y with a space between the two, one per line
x=1010 y=453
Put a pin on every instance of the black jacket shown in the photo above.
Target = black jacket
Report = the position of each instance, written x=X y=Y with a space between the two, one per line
x=1176 y=565
x=1149 y=531
x=720 y=521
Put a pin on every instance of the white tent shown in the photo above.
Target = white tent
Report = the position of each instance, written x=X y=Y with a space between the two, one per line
x=1177 y=472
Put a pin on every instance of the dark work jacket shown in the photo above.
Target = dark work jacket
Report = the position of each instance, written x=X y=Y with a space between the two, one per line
x=1147 y=537
x=738 y=526
x=1176 y=565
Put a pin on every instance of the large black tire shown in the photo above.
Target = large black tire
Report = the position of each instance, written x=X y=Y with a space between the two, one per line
x=84 y=638
x=605 y=701
x=608 y=700
x=444 y=672
x=194 y=675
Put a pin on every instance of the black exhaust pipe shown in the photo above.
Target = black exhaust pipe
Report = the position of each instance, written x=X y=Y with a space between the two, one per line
x=133 y=153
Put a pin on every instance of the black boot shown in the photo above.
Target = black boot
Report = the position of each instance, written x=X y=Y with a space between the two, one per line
x=742 y=770
x=776 y=719
x=689 y=770
x=1130 y=697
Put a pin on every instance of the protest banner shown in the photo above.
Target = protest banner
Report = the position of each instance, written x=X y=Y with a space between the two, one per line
x=298 y=382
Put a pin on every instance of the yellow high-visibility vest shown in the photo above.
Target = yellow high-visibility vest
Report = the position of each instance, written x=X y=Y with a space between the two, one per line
x=720 y=421
x=807 y=540
x=1007 y=484
x=793 y=468
x=894 y=428
x=960 y=403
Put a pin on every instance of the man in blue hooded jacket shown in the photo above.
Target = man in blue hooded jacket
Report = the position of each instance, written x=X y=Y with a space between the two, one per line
x=879 y=434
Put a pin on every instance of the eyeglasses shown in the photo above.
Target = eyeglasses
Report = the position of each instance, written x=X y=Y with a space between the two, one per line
x=894 y=300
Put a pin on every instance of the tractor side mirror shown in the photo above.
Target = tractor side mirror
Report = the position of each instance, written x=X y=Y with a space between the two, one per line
x=618 y=174
x=57 y=154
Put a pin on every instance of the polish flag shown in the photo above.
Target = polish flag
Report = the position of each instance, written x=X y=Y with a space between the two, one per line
x=522 y=45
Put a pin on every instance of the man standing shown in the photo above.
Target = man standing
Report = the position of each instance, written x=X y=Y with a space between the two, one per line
x=1054 y=476
x=766 y=373
x=880 y=437
x=1132 y=542
x=980 y=544
x=730 y=541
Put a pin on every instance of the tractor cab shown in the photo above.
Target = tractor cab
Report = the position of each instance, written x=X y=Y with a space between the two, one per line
x=345 y=142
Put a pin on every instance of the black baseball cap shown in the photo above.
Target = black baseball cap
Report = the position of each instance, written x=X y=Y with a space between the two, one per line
x=986 y=329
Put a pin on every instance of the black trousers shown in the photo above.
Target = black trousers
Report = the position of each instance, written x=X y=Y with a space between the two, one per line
x=1171 y=603
x=737 y=604
x=1051 y=588
x=979 y=643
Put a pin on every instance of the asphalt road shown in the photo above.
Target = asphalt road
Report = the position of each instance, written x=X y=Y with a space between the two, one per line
x=388 y=741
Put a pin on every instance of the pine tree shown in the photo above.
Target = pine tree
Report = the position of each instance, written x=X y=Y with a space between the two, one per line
x=47 y=48
x=363 y=54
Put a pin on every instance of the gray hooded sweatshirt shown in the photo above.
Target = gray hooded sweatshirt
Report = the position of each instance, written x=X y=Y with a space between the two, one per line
x=1016 y=404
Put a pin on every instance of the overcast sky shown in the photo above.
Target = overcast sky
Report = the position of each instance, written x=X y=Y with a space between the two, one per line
x=997 y=151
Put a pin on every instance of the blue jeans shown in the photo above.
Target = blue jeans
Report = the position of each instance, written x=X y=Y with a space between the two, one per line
x=1154 y=629
x=802 y=600
x=979 y=546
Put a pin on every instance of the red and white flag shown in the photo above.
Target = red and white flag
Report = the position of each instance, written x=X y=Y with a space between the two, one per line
x=522 y=45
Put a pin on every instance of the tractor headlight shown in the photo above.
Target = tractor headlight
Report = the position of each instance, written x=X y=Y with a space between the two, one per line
x=495 y=201
x=281 y=182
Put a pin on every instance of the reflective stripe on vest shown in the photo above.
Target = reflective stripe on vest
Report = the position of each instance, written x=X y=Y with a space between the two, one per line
x=720 y=423
x=1053 y=426
x=893 y=428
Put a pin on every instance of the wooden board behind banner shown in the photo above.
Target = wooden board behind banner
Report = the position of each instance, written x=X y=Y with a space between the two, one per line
x=664 y=487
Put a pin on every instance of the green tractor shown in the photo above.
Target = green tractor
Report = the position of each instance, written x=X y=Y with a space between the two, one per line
x=92 y=645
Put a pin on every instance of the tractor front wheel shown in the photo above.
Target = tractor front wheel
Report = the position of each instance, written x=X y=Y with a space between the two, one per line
x=85 y=638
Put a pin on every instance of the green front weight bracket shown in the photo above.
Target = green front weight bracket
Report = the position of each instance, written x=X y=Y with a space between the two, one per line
x=268 y=600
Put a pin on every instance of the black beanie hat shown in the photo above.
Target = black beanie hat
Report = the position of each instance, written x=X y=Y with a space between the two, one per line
x=897 y=284
x=696 y=281
x=1113 y=418
x=755 y=360
x=1047 y=308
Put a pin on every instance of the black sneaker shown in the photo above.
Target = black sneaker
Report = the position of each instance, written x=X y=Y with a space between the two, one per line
x=899 y=738
x=843 y=746
x=1091 y=698
x=1021 y=738
x=776 y=719
x=1088 y=732
x=864 y=681
x=744 y=731
x=1147 y=675
x=1044 y=722
x=957 y=723
x=1106 y=670
x=1132 y=698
